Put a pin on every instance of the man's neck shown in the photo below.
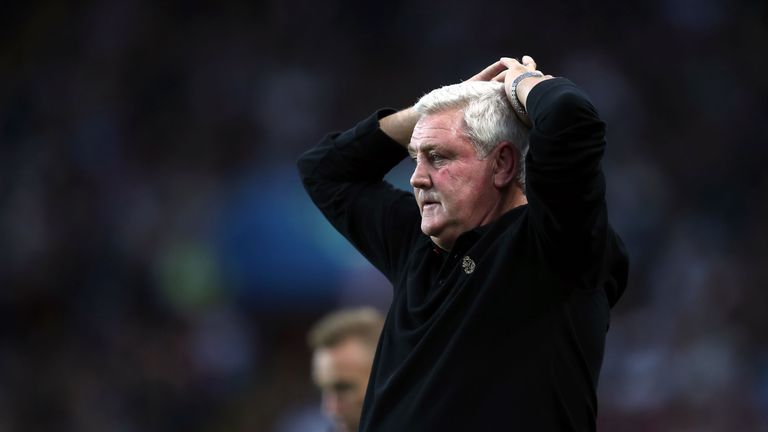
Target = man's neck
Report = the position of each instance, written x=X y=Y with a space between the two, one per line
x=512 y=199
x=517 y=199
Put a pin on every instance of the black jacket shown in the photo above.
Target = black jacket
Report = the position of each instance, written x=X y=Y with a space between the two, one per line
x=506 y=331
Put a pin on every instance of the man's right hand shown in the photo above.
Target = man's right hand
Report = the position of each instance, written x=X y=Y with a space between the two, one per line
x=399 y=126
x=494 y=72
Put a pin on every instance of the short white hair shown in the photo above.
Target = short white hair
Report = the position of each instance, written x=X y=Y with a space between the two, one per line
x=488 y=116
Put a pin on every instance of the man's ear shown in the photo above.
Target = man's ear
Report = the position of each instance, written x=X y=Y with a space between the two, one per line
x=505 y=164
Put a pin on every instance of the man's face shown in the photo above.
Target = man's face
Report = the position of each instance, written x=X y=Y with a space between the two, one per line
x=453 y=188
x=341 y=372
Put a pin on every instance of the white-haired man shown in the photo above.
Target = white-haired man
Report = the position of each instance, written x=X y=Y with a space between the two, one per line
x=503 y=263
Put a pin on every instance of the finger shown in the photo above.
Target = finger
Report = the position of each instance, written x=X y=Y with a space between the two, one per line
x=528 y=61
x=489 y=72
x=500 y=77
x=509 y=62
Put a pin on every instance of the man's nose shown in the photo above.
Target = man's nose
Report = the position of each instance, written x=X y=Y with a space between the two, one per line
x=331 y=404
x=420 y=178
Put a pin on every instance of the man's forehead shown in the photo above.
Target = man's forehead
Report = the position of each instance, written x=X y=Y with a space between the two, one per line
x=435 y=130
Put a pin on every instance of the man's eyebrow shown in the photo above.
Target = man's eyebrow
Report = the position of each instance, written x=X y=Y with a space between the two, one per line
x=424 y=148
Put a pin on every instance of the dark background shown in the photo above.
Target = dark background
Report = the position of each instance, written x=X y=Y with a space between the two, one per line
x=161 y=264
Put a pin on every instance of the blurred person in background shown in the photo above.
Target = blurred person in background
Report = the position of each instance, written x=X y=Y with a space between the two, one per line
x=343 y=344
x=503 y=263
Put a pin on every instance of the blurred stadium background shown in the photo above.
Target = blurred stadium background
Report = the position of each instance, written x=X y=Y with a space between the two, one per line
x=161 y=264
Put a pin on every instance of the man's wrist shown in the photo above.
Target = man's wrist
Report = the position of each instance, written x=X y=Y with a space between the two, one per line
x=399 y=125
x=517 y=104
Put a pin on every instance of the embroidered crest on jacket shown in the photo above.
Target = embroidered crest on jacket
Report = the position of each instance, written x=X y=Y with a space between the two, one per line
x=468 y=265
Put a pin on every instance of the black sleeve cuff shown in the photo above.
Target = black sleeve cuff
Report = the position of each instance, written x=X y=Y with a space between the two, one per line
x=552 y=100
x=367 y=143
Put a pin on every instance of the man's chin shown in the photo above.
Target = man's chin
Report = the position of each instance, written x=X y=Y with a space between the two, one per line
x=439 y=236
x=430 y=230
x=431 y=225
x=344 y=427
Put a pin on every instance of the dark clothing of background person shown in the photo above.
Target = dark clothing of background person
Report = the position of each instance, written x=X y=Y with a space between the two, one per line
x=506 y=331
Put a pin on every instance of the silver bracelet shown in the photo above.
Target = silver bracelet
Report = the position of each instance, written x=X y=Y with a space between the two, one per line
x=522 y=114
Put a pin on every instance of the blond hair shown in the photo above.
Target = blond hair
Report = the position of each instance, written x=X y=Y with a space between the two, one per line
x=364 y=323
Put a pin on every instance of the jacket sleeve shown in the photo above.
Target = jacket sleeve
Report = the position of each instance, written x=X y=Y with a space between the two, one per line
x=343 y=176
x=565 y=185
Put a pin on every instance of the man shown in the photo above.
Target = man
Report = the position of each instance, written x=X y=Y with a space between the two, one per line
x=503 y=263
x=343 y=345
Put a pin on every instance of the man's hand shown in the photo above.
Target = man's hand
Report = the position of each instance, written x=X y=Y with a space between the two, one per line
x=399 y=126
x=494 y=72
x=513 y=70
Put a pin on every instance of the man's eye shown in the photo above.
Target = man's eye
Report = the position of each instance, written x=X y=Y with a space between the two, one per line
x=343 y=387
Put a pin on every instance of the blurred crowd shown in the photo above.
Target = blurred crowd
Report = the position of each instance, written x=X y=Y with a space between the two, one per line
x=161 y=264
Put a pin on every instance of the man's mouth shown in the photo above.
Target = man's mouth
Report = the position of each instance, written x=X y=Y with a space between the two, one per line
x=429 y=205
x=428 y=201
